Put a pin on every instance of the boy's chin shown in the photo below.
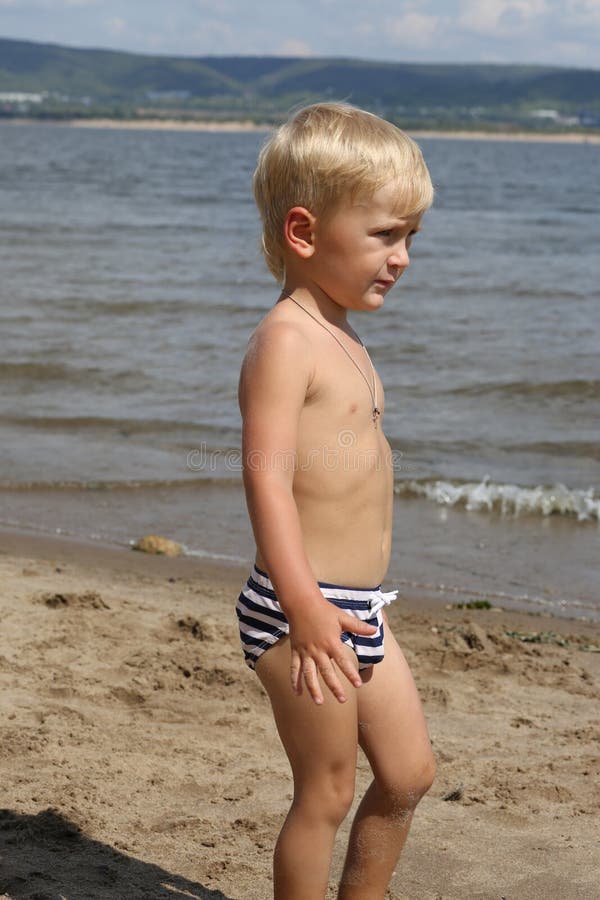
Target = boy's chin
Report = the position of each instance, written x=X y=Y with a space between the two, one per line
x=374 y=300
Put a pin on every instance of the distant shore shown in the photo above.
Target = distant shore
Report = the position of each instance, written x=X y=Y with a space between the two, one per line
x=169 y=125
x=247 y=125
x=531 y=136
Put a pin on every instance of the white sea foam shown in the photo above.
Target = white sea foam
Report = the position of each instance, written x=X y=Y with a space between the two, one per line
x=509 y=499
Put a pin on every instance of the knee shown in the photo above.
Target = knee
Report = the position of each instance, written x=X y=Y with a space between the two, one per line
x=405 y=793
x=340 y=803
x=423 y=777
x=337 y=794
x=426 y=775
x=330 y=799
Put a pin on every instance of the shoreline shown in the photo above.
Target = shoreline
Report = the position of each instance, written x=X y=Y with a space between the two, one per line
x=447 y=554
x=140 y=756
x=116 y=559
x=524 y=136
x=244 y=125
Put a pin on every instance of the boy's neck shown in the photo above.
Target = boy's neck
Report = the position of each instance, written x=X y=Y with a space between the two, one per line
x=317 y=302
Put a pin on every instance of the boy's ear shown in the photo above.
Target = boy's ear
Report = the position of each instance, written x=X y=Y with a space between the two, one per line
x=298 y=231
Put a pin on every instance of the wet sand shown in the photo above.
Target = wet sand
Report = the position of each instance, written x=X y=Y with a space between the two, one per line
x=139 y=759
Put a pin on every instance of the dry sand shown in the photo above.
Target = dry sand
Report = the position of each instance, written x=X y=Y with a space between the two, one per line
x=139 y=760
x=194 y=125
x=168 y=125
x=573 y=137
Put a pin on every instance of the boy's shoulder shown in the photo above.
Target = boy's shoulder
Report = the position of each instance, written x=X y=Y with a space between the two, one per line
x=280 y=330
x=279 y=353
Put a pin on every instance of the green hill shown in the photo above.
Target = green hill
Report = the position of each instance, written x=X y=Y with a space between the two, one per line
x=92 y=82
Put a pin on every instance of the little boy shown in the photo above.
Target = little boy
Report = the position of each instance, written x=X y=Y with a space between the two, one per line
x=341 y=194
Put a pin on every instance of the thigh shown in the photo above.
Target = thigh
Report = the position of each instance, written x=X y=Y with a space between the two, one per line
x=391 y=722
x=317 y=739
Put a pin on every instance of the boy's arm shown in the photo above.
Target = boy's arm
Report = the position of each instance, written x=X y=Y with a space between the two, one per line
x=274 y=381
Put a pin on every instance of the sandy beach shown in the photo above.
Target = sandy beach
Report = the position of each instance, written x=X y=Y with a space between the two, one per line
x=246 y=125
x=169 y=125
x=139 y=759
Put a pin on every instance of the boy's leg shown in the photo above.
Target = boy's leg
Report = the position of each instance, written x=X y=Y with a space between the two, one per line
x=393 y=735
x=320 y=742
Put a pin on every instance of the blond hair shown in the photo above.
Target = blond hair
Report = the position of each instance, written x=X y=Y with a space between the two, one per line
x=329 y=151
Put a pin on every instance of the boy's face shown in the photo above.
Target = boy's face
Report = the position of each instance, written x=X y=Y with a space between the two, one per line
x=361 y=249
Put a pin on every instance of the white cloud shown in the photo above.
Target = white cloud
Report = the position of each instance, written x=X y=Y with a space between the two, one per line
x=292 y=47
x=216 y=30
x=222 y=8
x=151 y=43
x=414 y=28
x=363 y=29
x=575 y=53
x=545 y=31
x=116 y=26
x=500 y=17
x=583 y=12
x=54 y=4
x=29 y=7
x=214 y=36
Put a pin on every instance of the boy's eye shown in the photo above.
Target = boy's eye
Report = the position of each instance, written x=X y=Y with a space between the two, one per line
x=388 y=234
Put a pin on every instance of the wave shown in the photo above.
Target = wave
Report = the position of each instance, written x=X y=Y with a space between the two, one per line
x=125 y=426
x=518 y=291
x=40 y=373
x=483 y=496
x=508 y=499
x=124 y=485
x=579 y=449
x=578 y=388
x=165 y=307
x=103 y=230
x=37 y=371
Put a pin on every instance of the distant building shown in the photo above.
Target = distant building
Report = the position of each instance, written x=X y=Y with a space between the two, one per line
x=545 y=114
x=553 y=115
x=588 y=119
x=168 y=95
x=21 y=97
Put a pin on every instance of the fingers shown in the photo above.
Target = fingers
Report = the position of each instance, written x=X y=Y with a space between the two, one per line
x=296 y=673
x=329 y=676
x=356 y=626
x=312 y=661
x=309 y=669
x=346 y=666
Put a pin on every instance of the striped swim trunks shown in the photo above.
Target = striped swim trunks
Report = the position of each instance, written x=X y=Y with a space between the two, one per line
x=262 y=621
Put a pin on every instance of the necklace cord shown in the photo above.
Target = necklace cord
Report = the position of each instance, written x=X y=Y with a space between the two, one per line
x=372 y=390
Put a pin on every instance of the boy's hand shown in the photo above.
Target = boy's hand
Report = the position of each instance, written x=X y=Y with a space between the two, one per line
x=316 y=646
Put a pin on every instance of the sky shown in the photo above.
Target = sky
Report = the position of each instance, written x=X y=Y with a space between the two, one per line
x=556 y=32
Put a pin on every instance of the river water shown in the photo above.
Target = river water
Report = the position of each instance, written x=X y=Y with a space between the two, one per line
x=131 y=279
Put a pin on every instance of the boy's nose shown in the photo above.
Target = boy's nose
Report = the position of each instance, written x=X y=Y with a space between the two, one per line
x=399 y=258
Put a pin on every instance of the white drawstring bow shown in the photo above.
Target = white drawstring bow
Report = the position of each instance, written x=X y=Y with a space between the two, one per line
x=381 y=599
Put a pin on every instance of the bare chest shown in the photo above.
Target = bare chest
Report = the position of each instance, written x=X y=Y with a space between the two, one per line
x=344 y=405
